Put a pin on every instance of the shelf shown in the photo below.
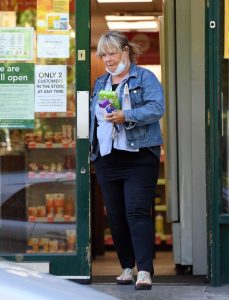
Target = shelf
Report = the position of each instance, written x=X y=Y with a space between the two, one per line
x=36 y=176
x=64 y=219
x=163 y=238
x=49 y=145
x=68 y=114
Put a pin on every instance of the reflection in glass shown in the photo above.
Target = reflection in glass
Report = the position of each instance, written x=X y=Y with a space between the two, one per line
x=225 y=156
x=225 y=123
x=37 y=167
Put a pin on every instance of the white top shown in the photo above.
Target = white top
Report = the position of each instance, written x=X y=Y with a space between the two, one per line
x=106 y=133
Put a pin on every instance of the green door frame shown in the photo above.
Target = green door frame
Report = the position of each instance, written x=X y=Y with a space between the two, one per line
x=218 y=223
x=75 y=266
x=82 y=177
x=83 y=14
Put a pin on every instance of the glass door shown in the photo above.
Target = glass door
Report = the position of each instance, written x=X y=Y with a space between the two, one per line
x=44 y=181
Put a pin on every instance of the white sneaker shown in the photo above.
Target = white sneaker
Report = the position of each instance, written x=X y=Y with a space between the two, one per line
x=127 y=277
x=144 y=281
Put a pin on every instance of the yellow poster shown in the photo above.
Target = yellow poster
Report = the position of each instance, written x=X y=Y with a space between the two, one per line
x=226 y=30
x=52 y=16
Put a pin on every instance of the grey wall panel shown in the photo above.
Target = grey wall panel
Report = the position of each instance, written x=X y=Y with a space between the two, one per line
x=198 y=137
x=184 y=104
x=169 y=83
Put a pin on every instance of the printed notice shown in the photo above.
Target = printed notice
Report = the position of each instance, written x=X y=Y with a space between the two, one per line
x=53 y=28
x=56 y=22
x=52 y=15
x=16 y=43
x=49 y=46
x=51 y=88
x=17 y=95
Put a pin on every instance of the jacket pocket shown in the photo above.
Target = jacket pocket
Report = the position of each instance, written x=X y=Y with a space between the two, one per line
x=137 y=133
x=136 y=96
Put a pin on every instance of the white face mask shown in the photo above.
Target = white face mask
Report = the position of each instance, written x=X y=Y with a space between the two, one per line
x=120 y=68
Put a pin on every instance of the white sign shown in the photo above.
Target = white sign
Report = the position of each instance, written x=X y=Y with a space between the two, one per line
x=50 y=88
x=52 y=46
x=16 y=43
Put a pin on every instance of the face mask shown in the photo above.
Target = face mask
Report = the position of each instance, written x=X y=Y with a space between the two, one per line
x=120 y=68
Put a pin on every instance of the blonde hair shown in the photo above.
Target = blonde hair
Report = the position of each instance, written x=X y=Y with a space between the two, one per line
x=115 y=40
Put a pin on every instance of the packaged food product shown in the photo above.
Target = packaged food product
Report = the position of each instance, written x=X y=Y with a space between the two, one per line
x=108 y=100
x=53 y=167
x=33 y=245
x=59 y=167
x=69 y=133
x=43 y=245
x=29 y=137
x=33 y=167
x=59 y=204
x=53 y=246
x=69 y=207
x=159 y=224
x=71 y=240
x=32 y=211
x=49 y=203
x=38 y=136
x=45 y=167
x=61 y=246
x=49 y=136
x=69 y=162
x=57 y=138
x=64 y=133
x=41 y=211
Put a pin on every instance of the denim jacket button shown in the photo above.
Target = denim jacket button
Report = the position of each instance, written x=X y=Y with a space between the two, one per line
x=132 y=144
x=135 y=91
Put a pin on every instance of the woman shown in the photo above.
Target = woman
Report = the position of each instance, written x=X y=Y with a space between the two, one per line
x=125 y=148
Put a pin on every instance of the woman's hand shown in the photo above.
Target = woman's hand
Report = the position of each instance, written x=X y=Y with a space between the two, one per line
x=115 y=117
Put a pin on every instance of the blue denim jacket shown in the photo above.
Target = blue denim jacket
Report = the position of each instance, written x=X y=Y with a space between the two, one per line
x=147 y=107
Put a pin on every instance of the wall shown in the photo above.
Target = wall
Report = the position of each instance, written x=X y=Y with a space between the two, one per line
x=97 y=67
x=190 y=36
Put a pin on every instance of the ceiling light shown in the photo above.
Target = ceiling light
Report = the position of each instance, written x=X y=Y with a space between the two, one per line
x=141 y=25
x=116 y=1
x=129 y=18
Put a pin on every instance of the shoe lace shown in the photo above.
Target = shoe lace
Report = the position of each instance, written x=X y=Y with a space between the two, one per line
x=127 y=271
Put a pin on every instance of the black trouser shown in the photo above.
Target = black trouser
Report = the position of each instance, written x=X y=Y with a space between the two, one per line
x=128 y=181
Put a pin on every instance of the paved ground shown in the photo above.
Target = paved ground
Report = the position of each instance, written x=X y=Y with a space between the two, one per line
x=166 y=291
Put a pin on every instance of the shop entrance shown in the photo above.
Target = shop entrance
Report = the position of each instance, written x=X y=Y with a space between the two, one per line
x=180 y=202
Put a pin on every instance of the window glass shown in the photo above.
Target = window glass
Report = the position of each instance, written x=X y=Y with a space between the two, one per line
x=38 y=161
x=225 y=110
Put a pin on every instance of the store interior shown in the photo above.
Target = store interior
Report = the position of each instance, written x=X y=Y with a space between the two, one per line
x=123 y=17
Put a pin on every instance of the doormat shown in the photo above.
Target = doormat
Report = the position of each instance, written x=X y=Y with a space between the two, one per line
x=162 y=280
